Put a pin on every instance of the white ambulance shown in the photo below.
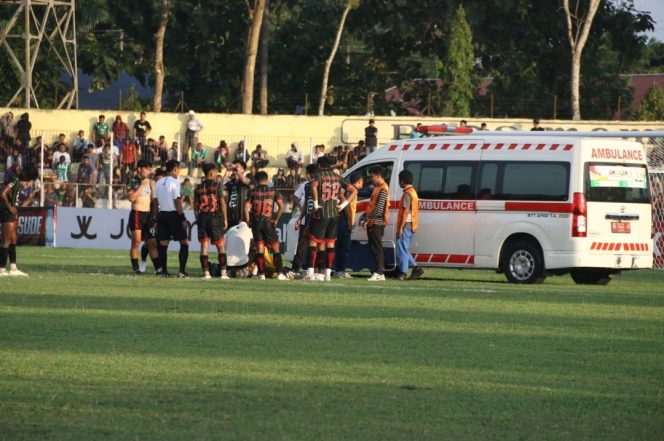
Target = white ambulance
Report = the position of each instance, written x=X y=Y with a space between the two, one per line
x=526 y=204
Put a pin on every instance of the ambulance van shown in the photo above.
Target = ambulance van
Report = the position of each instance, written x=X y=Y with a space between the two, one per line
x=526 y=205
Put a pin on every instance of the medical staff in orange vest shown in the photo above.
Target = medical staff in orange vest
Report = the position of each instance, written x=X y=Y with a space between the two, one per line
x=407 y=227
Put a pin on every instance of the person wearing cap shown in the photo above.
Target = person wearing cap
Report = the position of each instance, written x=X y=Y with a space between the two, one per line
x=371 y=136
x=536 y=126
x=191 y=134
x=141 y=224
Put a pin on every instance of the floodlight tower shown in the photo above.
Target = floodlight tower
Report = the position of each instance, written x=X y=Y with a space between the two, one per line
x=33 y=23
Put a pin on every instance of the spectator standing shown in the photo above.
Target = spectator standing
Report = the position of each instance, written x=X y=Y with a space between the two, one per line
x=407 y=220
x=371 y=136
x=536 y=126
x=415 y=134
x=62 y=152
x=375 y=219
x=100 y=131
x=162 y=148
x=142 y=129
x=173 y=152
x=294 y=158
x=120 y=131
x=79 y=146
x=128 y=158
x=85 y=171
x=150 y=152
x=23 y=127
x=187 y=192
x=198 y=158
x=252 y=176
x=13 y=165
x=7 y=129
x=259 y=157
x=104 y=165
x=483 y=127
x=194 y=126
x=61 y=169
x=88 y=198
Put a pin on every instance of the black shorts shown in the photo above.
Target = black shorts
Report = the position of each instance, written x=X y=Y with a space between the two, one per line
x=210 y=228
x=142 y=221
x=169 y=227
x=323 y=230
x=264 y=233
x=6 y=217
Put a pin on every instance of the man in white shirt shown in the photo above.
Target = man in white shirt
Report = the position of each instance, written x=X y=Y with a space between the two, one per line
x=294 y=158
x=62 y=151
x=191 y=134
x=171 y=222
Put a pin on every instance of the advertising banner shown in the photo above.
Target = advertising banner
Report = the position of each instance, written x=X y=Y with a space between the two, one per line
x=101 y=228
x=35 y=226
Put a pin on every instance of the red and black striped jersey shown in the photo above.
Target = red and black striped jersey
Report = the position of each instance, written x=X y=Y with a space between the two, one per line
x=207 y=195
x=329 y=186
x=262 y=200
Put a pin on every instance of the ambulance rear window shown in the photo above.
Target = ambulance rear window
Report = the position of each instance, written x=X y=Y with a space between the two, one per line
x=606 y=182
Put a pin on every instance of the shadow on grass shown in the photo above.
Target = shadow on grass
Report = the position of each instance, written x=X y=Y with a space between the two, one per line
x=218 y=402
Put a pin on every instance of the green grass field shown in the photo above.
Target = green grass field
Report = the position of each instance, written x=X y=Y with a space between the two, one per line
x=89 y=352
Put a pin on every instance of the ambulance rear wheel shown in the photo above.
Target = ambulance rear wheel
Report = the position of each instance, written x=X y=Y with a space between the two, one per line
x=590 y=277
x=523 y=263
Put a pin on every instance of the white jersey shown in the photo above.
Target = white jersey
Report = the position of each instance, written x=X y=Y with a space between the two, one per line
x=167 y=190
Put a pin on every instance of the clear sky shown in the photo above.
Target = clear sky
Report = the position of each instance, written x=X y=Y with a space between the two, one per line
x=656 y=9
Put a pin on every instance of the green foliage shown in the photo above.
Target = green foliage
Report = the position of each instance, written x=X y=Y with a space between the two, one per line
x=652 y=106
x=90 y=352
x=134 y=102
x=459 y=81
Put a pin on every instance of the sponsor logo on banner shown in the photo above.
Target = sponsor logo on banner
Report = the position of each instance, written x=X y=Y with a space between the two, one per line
x=105 y=229
x=34 y=226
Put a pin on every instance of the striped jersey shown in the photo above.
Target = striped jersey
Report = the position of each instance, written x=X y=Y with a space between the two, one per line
x=262 y=202
x=237 y=195
x=206 y=197
x=12 y=190
x=329 y=186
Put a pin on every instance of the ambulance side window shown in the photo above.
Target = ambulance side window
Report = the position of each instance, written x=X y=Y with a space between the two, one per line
x=365 y=192
x=526 y=181
x=443 y=180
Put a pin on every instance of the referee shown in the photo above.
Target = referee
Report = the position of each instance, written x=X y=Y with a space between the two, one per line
x=171 y=223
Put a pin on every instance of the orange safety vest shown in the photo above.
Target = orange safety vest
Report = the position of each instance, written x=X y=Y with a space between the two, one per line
x=374 y=201
x=413 y=209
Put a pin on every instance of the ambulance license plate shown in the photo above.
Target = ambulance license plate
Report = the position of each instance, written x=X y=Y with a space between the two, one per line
x=621 y=227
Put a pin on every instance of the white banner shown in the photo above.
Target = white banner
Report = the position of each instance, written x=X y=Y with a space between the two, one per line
x=104 y=229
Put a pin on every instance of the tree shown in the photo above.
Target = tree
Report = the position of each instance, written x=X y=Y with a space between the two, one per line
x=350 y=4
x=458 y=65
x=264 y=59
x=253 y=38
x=652 y=106
x=578 y=28
x=164 y=11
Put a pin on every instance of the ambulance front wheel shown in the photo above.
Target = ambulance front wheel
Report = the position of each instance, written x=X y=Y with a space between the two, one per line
x=523 y=263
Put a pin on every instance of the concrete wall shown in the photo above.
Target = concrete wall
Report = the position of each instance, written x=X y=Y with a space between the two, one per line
x=276 y=132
